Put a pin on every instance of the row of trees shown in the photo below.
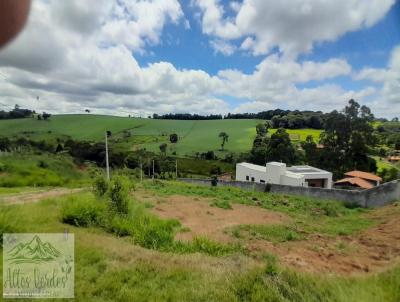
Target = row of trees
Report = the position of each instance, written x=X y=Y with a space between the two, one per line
x=15 y=113
x=280 y=118
x=187 y=116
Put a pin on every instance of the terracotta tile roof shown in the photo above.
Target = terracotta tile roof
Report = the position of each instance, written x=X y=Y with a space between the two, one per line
x=355 y=181
x=363 y=175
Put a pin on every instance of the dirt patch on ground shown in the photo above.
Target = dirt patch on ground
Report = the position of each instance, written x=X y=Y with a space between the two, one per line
x=29 y=197
x=203 y=220
x=373 y=250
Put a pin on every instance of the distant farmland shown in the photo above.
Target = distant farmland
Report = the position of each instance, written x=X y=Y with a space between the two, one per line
x=194 y=136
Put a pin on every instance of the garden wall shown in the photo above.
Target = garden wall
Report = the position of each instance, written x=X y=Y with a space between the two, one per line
x=371 y=198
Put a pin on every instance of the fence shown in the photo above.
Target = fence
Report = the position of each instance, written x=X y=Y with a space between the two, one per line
x=375 y=197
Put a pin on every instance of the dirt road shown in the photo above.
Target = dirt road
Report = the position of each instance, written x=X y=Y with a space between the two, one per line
x=28 y=197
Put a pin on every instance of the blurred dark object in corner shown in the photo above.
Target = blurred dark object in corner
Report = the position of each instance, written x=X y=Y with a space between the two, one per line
x=13 y=16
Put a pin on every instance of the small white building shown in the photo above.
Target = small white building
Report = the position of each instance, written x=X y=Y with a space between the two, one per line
x=278 y=173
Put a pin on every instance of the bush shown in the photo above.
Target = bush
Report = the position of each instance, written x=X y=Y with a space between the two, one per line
x=83 y=212
x=100 y=186
x=214 y=181
x=118 y=193
x=42 y=164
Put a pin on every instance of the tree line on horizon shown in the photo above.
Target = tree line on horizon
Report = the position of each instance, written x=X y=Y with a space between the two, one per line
x=279 y=118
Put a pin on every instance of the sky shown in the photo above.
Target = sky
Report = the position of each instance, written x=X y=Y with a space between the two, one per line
x=141 y=57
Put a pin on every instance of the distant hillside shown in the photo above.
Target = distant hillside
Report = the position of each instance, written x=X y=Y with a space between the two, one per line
x=194 y=136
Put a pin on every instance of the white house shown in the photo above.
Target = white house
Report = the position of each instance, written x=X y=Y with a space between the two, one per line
x=278 y=173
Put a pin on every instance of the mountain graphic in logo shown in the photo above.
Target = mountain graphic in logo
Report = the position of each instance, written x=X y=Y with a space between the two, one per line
x=34 y=251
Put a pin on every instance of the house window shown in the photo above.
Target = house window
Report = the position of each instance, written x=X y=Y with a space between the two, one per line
x=262 y=181
x=247 y=178
x=252 y=179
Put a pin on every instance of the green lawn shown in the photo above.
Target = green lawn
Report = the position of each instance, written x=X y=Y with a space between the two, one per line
x=195 y=136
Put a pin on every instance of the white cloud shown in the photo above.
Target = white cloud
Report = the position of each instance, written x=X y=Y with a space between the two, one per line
x=222 y=47
x=389 y=79
x=291 y=25
x=70 y=69
x=213 y=21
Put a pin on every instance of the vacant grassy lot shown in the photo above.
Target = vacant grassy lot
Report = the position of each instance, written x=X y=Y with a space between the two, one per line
x=112 y=268
x=39 y=170
x=194 y=136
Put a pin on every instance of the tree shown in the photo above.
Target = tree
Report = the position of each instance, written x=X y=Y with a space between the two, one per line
x=59 y=148
x=224 y=137
x=280 y=148
x=173 y=138
x=311 y=151
x=87 y=110
x=261 y=129
x=163 y=148
x=347 y=137
x=258 y=154
x=46 y=116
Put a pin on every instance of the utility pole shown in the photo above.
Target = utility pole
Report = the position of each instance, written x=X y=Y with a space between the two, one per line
x=176 y=169
x=107 y=164
x=141 y=172
x=153 y=171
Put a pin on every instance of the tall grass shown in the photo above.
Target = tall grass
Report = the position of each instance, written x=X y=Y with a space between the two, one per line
x=8 y=222
x=22 y=170
x=273 y=233
x=145 y=228
x=83 y=211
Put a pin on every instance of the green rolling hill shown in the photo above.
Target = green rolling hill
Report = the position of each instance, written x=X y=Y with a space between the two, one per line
x=194 y=136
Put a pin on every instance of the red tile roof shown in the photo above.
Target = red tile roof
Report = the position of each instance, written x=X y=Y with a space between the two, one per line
x=363 y=175
x=355 y=181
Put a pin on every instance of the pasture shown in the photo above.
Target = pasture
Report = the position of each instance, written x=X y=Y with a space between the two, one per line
x=137 y=133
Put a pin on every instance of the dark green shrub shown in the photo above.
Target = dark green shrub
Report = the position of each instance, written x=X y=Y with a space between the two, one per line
x=118 y=193
x=42 y=164
x=100 y=186
x=214 y=181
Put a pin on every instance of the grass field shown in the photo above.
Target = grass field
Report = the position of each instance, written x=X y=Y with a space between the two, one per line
x=194 y=136
x=112 y=268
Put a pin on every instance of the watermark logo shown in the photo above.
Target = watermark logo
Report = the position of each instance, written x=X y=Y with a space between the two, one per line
x=38 y=265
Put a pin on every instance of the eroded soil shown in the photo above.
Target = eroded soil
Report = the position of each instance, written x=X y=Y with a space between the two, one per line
x=203 y=220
